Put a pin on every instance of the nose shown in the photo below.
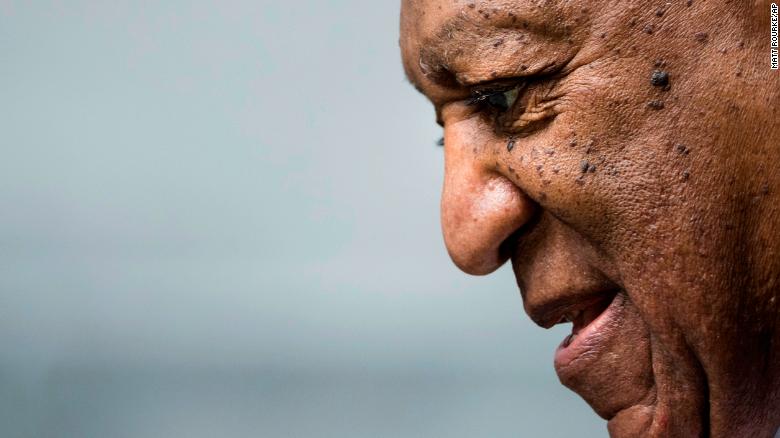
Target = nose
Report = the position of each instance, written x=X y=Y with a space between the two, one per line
x=481 y=206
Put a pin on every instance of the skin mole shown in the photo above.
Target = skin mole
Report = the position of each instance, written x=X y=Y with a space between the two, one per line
x=659 y=78
x=656 y=104
x=682 y=149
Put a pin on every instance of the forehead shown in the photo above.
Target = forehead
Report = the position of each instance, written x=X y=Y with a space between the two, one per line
x=439 y=36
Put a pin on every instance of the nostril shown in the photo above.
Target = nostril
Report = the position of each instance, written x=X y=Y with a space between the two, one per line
x=509 y=245
x=532 y=214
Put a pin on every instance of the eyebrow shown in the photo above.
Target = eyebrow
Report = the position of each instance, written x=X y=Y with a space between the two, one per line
x=453 y=39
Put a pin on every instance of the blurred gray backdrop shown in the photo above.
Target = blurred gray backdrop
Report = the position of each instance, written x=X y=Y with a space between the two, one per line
x=220 y=219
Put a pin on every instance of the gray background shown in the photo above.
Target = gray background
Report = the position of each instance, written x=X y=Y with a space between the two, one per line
x=220 y=219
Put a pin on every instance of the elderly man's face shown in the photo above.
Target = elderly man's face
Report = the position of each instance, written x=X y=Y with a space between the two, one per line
x=624 y=157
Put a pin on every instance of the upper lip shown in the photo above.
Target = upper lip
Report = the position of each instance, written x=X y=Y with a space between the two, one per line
x=565 y=306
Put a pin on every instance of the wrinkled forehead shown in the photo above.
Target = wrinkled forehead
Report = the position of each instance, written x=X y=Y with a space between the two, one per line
x=437 y=32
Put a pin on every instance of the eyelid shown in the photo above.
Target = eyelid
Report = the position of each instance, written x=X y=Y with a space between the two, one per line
x=480 y=91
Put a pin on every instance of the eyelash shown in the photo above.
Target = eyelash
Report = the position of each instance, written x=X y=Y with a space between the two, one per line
x=496 y=101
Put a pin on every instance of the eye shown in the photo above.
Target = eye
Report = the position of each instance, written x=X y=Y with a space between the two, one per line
x=504 y=100
x=500 y=100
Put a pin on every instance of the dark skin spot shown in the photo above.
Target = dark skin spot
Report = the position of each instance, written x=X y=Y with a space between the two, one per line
x=682 y=149
x=648 y=29
x=656 y=105
x=659 y=78
x=510 y=145
x=584 y=166
x=686 y=175
x=659 y=12
x=688 y=3
x=592 y=168
x=701 y=37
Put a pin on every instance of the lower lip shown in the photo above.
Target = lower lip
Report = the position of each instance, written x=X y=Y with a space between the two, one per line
x=590 y=336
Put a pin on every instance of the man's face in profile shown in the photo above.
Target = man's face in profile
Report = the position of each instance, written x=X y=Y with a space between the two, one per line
x=624 y=157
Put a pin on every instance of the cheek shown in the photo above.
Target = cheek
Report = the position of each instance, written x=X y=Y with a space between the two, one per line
x=612 y=164
x=595 y=164
x=622 y=173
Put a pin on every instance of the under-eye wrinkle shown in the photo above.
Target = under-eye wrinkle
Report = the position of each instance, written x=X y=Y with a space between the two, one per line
x=516 y=109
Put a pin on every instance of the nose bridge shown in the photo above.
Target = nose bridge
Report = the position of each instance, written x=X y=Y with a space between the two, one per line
x=481 y=207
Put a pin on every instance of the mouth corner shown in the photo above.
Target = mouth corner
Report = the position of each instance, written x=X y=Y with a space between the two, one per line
x=591 y=322
x=583 y=316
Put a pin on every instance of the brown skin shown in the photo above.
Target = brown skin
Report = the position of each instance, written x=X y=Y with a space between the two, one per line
x=668 y=195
